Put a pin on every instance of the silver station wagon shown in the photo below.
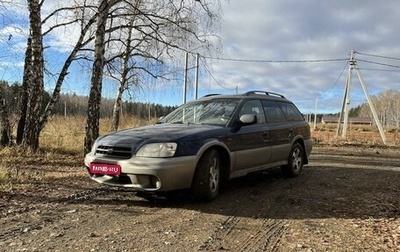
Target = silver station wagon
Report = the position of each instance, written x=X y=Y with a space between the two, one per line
x=202 y=143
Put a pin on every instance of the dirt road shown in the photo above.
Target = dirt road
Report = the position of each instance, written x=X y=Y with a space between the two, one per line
x=347 y=199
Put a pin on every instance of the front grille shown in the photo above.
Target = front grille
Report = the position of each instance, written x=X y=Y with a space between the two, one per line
x=114 y=151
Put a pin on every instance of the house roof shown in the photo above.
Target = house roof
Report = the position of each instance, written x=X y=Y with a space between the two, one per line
x=356 y=120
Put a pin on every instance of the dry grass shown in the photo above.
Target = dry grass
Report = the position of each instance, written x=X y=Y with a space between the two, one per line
x=66 y=135
x=61 y=145
x=356 y=135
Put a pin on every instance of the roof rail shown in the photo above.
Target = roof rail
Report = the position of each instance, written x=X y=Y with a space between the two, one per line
x=207 y=95
x=263 y=93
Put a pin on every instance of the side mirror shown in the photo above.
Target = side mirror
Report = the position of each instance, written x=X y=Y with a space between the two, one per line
x=248 y=119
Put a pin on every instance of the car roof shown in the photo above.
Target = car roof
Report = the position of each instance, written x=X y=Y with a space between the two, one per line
x=248 y=95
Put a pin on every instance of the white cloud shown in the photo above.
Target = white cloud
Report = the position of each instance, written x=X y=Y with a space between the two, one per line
x=308 y=30
x=281 y=30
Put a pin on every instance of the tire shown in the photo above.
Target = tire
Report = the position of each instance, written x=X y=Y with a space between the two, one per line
x=207 y=177
x=295 y=161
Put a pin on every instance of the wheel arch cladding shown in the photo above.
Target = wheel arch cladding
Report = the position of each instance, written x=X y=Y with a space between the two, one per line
x=301 y=142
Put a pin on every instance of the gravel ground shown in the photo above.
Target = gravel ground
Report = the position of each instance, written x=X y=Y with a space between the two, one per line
x=347 y=199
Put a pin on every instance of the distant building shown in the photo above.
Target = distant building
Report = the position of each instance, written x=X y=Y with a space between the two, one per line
x=352 y=120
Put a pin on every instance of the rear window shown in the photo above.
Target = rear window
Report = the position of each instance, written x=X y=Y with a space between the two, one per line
x=273 y=112
x=291 y=112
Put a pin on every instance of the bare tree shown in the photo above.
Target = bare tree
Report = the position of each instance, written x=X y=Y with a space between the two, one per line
x=387 y=105
x=35 y=83
x=33 y=118
x=93 y=114
x=81 y=42
x=155 y=29
x=25 y=91
x=123 y=82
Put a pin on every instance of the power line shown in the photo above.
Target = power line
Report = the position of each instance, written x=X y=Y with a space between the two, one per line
x=378 y=63
x=212 y=76
x=337 y=80
x=379 y=69
x=276 y=61
x=378 y=56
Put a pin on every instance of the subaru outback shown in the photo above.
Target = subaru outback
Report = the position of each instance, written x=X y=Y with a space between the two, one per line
x=202 y=143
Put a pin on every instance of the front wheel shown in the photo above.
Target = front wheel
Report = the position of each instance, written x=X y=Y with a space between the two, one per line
x=207 y=177
x=295 y=161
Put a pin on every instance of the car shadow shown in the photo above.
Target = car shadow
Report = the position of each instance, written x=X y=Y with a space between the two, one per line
x=320 y=192
x=360 y=187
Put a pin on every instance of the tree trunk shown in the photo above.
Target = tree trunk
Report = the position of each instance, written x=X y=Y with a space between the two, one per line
x=117 y=110
x=24 y=97
x=5 y=130
x=93 y=112
x=35 y=82
x=123 y=83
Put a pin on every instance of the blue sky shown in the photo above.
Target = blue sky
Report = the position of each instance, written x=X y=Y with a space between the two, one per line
x=296 y=48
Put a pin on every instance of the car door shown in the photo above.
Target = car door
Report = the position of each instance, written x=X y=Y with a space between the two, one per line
x=279 y=131
x=250 y=141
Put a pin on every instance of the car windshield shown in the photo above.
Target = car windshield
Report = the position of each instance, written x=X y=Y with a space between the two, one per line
x=215 y=112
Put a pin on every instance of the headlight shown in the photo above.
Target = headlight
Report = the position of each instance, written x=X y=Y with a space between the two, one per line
x=157 y=150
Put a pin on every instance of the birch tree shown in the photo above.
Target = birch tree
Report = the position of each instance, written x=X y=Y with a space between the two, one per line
x=93 y=114
x=387 y=105
x=35 y=77
x=156 y=29
x=33 y=117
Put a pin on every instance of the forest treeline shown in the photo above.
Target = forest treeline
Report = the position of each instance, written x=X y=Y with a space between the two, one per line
x=387 y=105
x=76 y=105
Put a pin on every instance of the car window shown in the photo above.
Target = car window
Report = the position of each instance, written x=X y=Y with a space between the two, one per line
x=216 y=111
x=253 y=107
x=291 y=112
x=273 y=112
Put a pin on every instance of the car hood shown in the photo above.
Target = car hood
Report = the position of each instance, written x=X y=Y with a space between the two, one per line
x=155 y=133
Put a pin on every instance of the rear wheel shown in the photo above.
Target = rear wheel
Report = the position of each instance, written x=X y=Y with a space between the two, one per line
x=207 y=177
x=295 y=161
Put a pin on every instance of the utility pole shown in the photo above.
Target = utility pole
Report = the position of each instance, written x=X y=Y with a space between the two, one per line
x=315 y=113
x=65 y=109
x=186 y=77
x=185 y=83
x=344 y=112
x=196 y=88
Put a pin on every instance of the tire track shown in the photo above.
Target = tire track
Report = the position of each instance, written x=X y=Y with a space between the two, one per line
x=223 y=230
x=242 y=234
x=251 y=225
x=266 y=239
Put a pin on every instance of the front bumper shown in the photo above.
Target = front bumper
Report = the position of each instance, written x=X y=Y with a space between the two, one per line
x=147 y=174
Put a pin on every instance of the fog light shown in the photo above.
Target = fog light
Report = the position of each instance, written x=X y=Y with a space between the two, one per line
x=155 y=182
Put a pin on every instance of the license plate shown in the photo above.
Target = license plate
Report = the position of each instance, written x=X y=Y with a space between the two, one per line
x=106 y=169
